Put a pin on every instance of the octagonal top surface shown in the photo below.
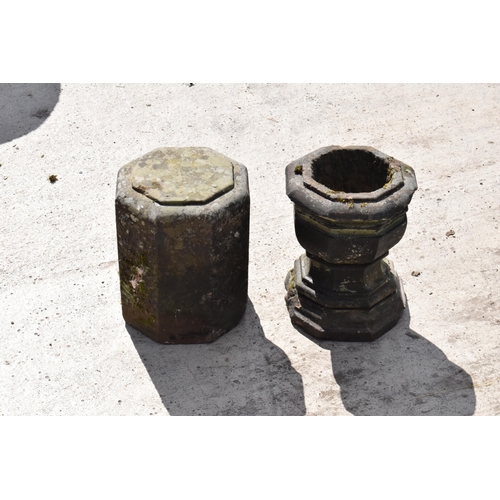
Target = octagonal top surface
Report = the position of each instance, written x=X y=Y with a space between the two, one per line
x=182 y=176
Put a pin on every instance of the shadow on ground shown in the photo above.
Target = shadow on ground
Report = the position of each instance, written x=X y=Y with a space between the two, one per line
x=401 y=373
x=242 y=373
x=24 y=107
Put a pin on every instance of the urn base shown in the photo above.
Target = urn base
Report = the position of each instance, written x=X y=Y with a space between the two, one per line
x=343 y=319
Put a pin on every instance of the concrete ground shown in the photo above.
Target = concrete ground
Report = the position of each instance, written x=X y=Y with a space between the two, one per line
x=65 y=349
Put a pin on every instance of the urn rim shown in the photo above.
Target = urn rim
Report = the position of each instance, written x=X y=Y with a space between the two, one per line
x=386 y=202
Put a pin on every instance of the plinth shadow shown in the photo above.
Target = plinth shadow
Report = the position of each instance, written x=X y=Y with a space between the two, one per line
x=401 y=373
x=242 y=373
x=24 y=107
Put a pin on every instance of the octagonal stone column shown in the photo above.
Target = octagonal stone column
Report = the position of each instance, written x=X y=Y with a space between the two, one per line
x=350 y=208
x=182 y=217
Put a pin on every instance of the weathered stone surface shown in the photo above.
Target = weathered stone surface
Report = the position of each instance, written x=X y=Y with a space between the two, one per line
x=350 y=209
x=183 y=231
x=179 y=176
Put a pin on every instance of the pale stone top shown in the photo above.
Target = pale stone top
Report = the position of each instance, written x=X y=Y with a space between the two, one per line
x=182 y=176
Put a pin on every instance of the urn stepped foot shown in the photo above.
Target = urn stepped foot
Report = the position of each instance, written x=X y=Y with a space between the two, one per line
x=349 y=318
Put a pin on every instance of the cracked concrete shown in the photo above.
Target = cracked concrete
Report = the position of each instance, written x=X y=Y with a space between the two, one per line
x=65 y=348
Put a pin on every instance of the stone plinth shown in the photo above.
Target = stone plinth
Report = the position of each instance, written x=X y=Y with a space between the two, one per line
x=182 y=218
x=350 y=208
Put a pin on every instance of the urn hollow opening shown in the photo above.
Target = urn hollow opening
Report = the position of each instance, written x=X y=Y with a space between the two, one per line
x=351 y=171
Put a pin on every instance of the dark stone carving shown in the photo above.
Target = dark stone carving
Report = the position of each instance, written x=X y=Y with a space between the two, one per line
x=182 y=218
x=350 y=208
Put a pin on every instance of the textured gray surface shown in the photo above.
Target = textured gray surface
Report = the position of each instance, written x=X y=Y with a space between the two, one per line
x=182 y=176
x=65 y=348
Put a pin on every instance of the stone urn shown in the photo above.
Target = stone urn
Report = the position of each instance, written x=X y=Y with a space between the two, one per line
x=350 y=208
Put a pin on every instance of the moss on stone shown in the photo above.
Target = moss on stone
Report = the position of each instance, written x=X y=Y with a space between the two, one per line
x=390 y=176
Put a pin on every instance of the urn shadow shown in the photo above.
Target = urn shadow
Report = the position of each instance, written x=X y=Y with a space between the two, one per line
x=242 y=373
x=24 y=107
x=401 y=373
